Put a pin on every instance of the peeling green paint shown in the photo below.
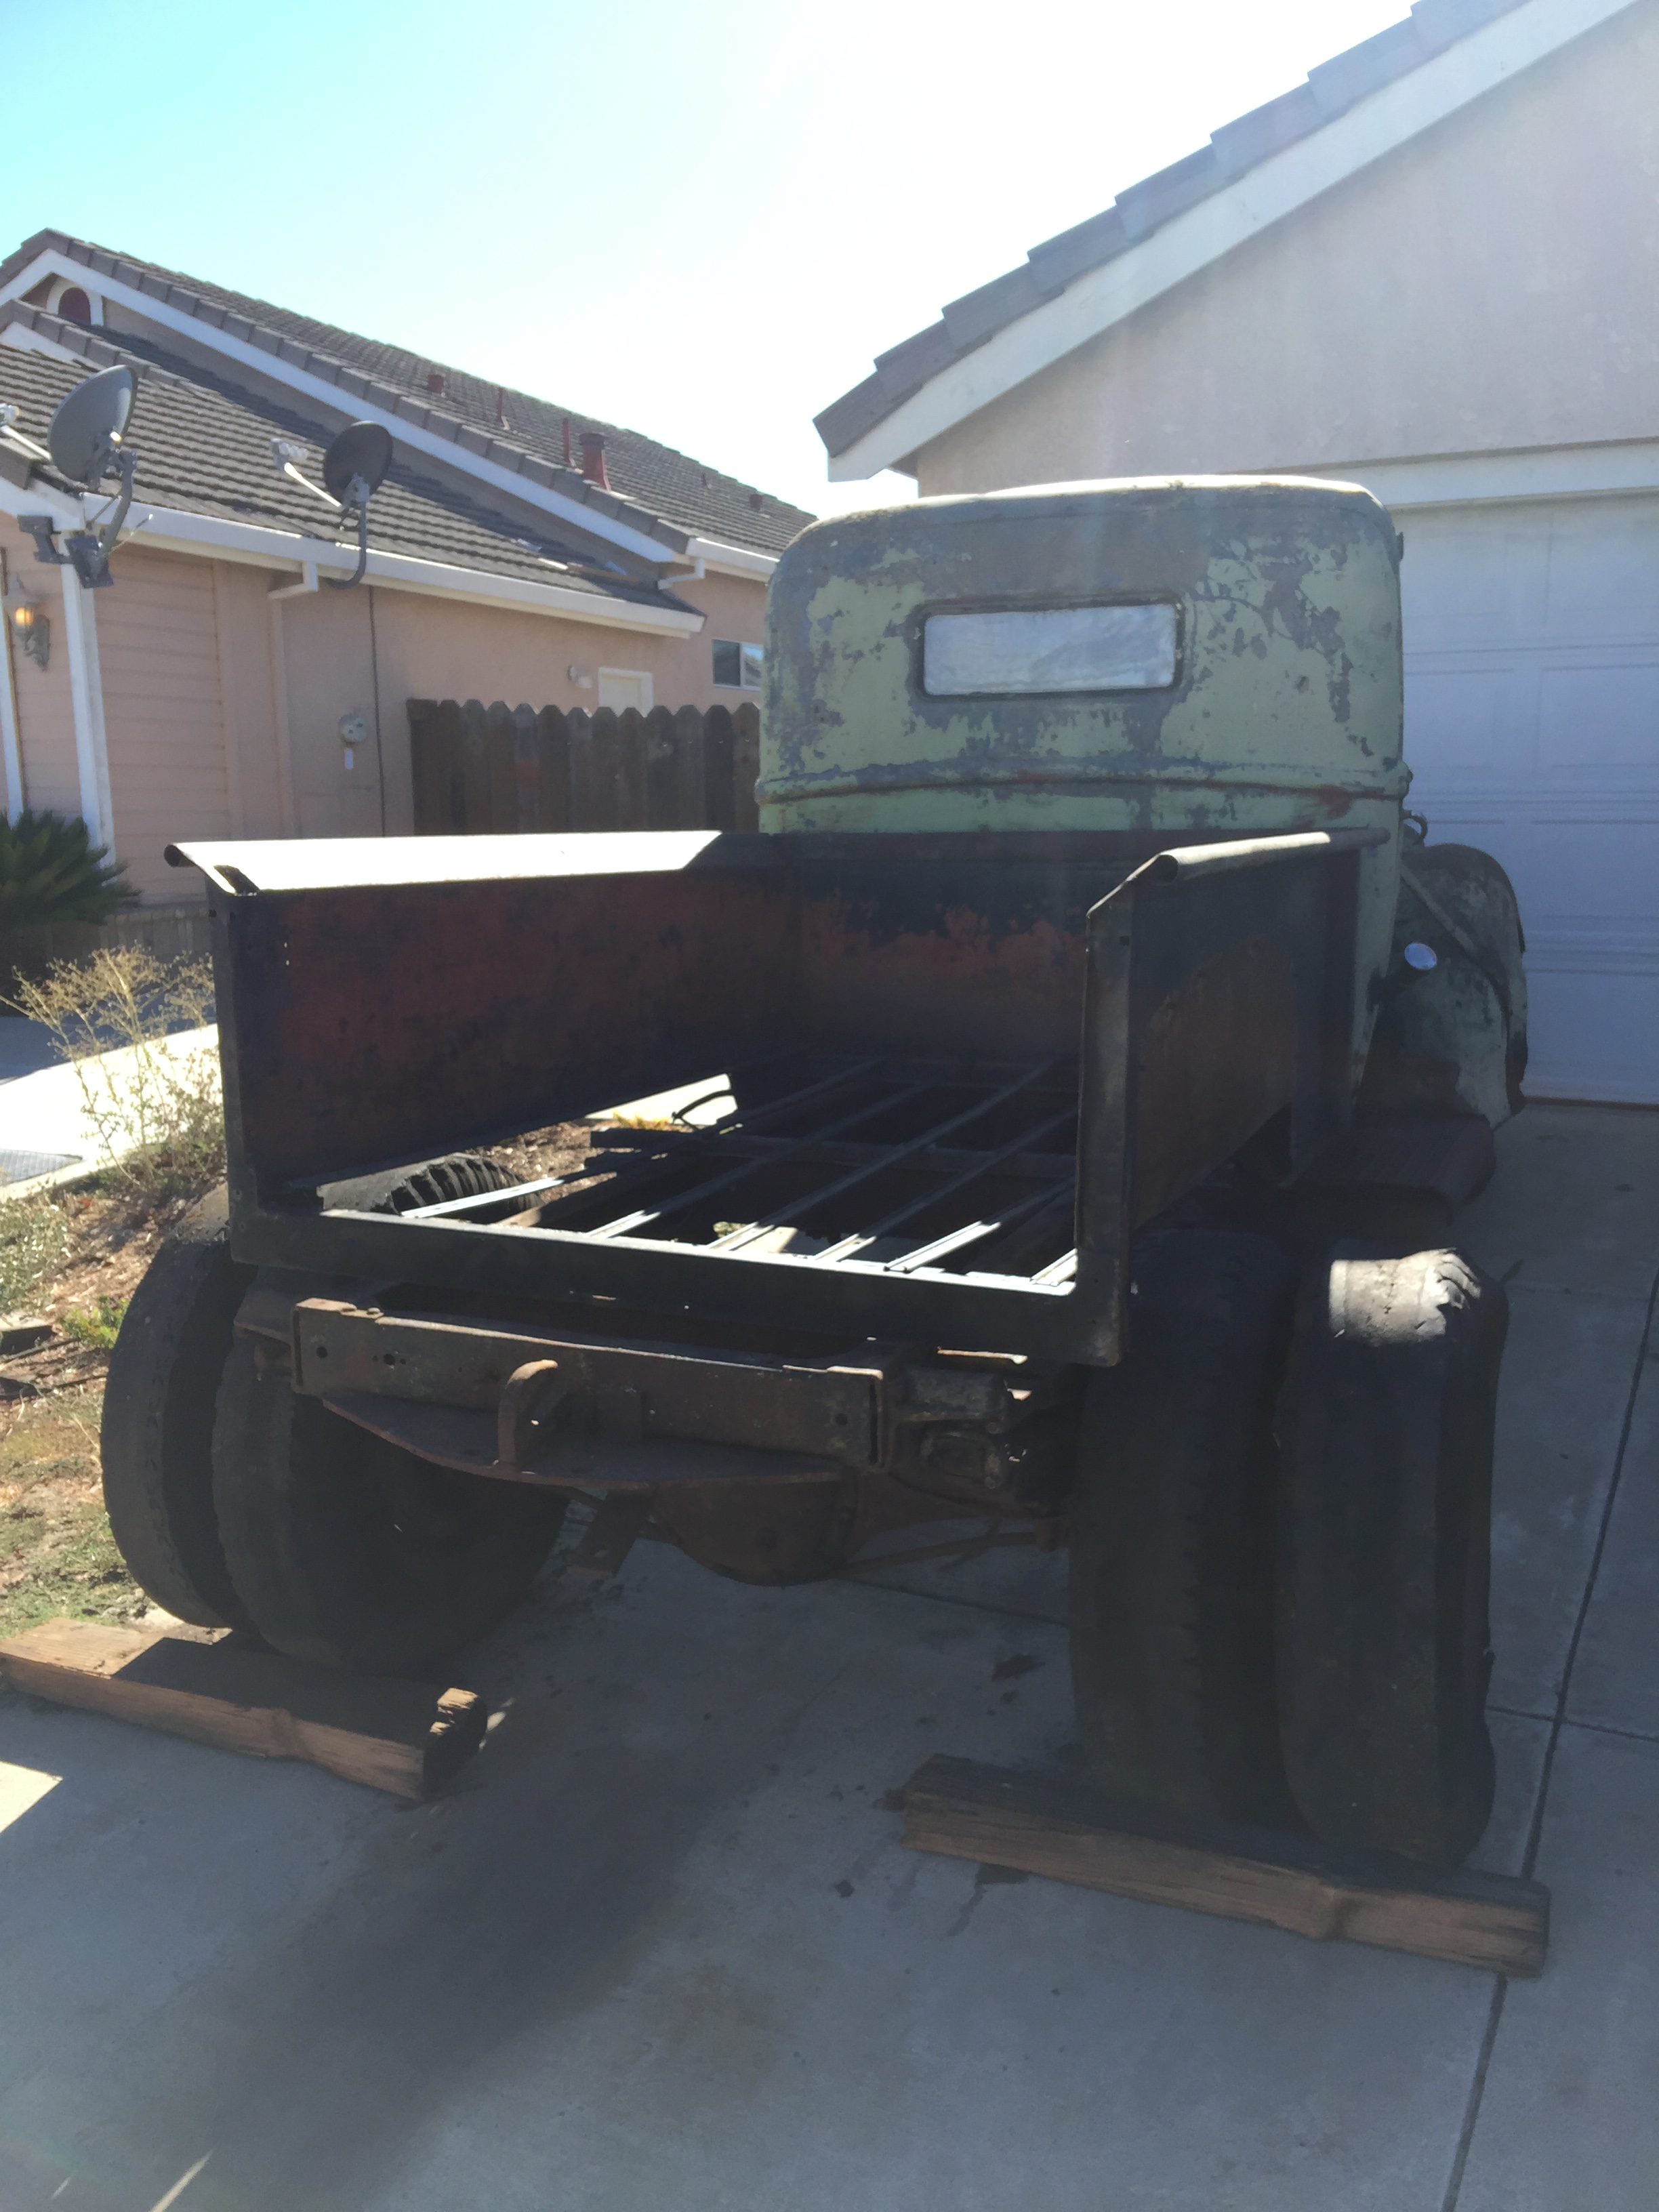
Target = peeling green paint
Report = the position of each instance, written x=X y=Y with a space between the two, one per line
x=1285 y=713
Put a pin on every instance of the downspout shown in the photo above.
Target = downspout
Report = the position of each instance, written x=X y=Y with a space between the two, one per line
x=305 y=583
x=694 y=575
x=287 y=797
x=87 y=697
x=10 y=741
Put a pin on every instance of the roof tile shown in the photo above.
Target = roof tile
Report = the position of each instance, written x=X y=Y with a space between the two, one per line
x=1058 y=260
x=845 y=421
x=1366 y=68
x=915 y=361
x=978 y=314
x=1167 y=192
x=203 y=445
x=1266 y=130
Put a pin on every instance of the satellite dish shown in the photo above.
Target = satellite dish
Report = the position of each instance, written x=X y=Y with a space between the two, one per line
x=85 y=437
x=360 y=456
x=85 y=440
x=354 y=468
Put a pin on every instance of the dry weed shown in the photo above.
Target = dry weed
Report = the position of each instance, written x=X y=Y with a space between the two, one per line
x=156 y=1111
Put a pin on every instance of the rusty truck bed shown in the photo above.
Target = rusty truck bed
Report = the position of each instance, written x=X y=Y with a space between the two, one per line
x=962 y=1070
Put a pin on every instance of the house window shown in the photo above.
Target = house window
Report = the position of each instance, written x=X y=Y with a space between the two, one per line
x=74 y=303
x=737 y=667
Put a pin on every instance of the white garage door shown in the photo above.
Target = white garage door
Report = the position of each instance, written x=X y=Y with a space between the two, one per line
x=1531 y=724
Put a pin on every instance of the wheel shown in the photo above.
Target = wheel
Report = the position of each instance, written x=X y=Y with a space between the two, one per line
x=798 y=1532
x=164 y=1374
x=158 y=1419
x=350 y=1552
x=1172 y=1535
x=1385 y=1509
x=395 y=1190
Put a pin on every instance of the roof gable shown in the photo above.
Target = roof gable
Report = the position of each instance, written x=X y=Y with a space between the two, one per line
x=1253 y=173
x=657 y=492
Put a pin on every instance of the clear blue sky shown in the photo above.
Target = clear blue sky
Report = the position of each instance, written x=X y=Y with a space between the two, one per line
x=699 y=217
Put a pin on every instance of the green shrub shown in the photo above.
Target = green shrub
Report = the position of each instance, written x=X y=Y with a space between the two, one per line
x=97 y=1330
x=51 y=871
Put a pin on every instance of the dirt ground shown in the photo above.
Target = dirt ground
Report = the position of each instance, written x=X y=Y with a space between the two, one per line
x=55 y=1552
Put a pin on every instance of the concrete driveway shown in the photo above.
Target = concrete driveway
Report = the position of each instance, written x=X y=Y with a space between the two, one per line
x=661 y=1948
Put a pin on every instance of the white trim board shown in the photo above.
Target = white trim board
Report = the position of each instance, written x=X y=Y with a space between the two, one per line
x=10 y=745
x=1600 y=471
x=80 y=646
x=353 y=406
x=1263 y=196
x=215 y=537
x=728 y=559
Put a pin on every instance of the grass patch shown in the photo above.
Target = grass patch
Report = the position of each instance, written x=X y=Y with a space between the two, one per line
x=34 y=1238
x=57 y=1555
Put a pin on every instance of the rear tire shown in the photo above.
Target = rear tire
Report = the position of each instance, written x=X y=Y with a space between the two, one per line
x=160 y=1403
x=157 y=1436
x=349 y=1553
x=397 y=1190
x=1384 y=1551
x=1172 y=1535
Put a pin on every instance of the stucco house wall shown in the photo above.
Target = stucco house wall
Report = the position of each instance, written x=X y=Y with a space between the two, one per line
x=164 y=717
x=1484 y=287
x=222 y=706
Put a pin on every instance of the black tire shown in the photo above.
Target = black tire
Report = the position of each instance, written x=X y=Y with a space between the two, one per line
x=156 y=1443
x=158 y=1420
x=1172 y=1535
x=396 y=1190
x=1385 y=1511
x=352 y=1554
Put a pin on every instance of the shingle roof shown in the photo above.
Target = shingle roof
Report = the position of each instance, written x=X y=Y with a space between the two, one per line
x=658 y=482
x=204 y=446
x=1047 y=269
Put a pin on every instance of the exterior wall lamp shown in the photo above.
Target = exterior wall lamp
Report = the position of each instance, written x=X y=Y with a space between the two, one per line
x=29 y=626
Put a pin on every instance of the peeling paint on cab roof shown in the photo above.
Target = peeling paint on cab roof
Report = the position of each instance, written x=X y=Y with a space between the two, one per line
x=1297 y=576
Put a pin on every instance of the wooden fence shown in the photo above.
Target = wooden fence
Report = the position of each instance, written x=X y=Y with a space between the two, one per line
x=505 y=768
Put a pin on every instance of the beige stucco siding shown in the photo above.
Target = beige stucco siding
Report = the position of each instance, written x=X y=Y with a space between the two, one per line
x=164 y=717
x=45 y=711
x=255 y=789
x=1492 y=285
x=222 y=706
x=430 y=648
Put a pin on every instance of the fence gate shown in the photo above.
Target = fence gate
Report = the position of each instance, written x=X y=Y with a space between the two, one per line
x=503 y=768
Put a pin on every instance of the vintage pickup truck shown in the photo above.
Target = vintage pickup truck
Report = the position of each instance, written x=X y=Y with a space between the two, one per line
x=1070 y=1090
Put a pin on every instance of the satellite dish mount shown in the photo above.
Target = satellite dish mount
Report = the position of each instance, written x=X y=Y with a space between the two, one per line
x=354 y=468
x=86 y=443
